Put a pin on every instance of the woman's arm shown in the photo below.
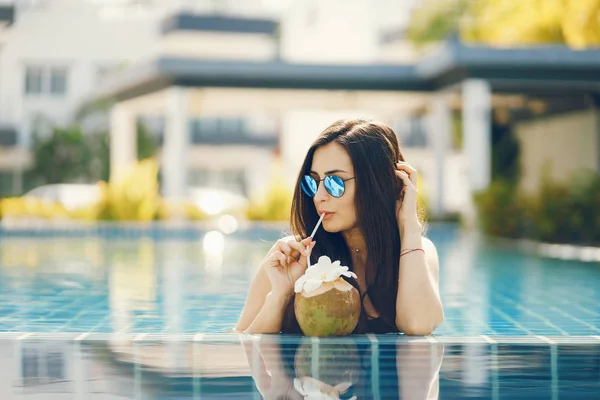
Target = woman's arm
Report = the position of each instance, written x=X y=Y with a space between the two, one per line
x=260 y=287
x=270 y=316
x=273 y=286
x=263 y=312
x=418 y=306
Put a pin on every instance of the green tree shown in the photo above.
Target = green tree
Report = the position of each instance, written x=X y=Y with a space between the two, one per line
x=62 y=157
x=147 y=144
x=70 y=155
x=508 y=22
x=436 y=20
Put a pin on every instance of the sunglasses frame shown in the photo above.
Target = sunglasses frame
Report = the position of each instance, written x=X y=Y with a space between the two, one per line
x=318 y=181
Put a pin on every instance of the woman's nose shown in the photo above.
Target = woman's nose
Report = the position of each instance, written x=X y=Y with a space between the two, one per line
x=321 y=192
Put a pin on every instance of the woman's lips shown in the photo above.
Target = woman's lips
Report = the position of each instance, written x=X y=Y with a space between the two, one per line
x=328 y=215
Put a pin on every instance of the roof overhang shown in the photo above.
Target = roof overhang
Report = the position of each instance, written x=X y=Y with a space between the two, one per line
x=173 y=71
x=543 y=69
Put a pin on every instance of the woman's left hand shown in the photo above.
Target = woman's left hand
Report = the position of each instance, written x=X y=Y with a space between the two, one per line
x=406 y=204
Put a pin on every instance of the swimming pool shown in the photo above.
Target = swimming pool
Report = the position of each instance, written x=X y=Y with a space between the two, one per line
x=272 y=367
x=197 y=283
x=120 y=313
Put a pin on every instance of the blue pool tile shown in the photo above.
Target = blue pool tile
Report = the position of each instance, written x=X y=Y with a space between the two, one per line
x=485 y=290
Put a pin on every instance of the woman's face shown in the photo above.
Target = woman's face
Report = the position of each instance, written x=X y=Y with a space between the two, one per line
x=332 y=159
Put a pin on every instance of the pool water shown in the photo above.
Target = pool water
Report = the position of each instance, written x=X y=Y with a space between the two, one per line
x=119 y=315
x=199 y=284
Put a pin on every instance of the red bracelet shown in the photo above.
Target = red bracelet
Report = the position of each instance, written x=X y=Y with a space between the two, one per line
x=410 y=251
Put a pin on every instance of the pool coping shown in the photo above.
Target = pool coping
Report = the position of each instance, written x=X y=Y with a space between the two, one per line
x=557 y=251
x=228 y=337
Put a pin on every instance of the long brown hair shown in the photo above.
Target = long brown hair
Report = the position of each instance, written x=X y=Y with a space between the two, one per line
x=374 y=150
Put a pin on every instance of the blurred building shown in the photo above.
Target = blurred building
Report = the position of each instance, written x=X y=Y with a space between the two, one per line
x=59 y=51
x=230 y=86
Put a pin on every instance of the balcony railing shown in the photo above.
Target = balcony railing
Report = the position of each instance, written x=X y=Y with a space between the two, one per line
x=218 y=23
x=233 y=138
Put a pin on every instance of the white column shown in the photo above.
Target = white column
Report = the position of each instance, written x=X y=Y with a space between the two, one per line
x=123 y=143
x=477 y=132
x=175 y=147
x=439 y=131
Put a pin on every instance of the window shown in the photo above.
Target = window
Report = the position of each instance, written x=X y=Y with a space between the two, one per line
x=33 y=80
x=58 y=81
x=230 y=126
x=41 y=80
x=208 y=126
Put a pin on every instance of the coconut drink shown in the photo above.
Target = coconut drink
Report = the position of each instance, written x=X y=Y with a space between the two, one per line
x=325 y=304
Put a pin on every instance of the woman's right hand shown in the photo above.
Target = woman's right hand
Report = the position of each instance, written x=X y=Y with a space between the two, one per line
x=285 y=263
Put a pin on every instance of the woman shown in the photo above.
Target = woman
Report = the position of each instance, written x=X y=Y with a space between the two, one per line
x=369 y=196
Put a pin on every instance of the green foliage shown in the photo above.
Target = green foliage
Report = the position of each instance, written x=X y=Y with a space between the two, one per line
x=70 y=155
x=505 y=153
x=99 y=162
x=146 y=143
x=134 y=197
x=568 y=213
x=63 y=157
x=508 y=22
x=559 y=213
x=276 y=204
x=501 y=211
x=435 y=21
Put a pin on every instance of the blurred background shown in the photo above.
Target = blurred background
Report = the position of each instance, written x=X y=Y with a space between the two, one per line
x=495 y=102
x=149 y=148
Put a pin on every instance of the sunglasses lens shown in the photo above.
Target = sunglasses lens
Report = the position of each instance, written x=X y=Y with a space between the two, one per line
x=309 y=185
x=334 y=185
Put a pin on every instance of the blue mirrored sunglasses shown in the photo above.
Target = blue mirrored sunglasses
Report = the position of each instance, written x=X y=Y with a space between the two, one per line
x=334 y=185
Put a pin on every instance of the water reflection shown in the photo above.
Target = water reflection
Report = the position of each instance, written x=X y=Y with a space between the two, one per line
x=285 y=367
x=344 y=368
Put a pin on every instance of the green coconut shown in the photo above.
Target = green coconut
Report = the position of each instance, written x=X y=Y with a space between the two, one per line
x=332 y=309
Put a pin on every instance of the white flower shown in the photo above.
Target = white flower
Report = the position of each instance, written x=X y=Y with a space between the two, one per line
x=323 y=271
x=314 y=389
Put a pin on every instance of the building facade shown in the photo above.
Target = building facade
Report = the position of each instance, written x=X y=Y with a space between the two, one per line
x=58 y=52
